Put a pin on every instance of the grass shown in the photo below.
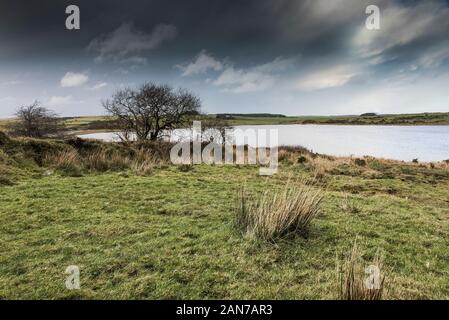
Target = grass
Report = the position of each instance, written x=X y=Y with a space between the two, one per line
x=275 y=215
x=355 y=274
x=170 y=234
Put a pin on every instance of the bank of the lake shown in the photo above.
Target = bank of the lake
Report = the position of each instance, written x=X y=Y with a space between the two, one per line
x=425 y=143
x=428 y=118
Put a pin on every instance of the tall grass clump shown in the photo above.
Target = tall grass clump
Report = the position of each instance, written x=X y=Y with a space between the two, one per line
x=144 y=168
x=276 y=215
x=102 y=160
x=68 y=162
x=353 y=278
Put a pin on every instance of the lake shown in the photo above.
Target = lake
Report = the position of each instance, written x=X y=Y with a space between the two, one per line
x=426 y=143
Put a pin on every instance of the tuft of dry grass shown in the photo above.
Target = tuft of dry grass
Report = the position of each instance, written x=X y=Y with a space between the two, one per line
x=360 y=283
x=319 y=166
x=67 y=161
x=277 y=214
x=103 y=161
x=284 y=155
x=144 y=168
x=292 y=154
x=442 y=165
x=141 y=161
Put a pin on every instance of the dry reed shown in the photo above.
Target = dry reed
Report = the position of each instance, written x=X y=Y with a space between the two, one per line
x=357 y=284
x=275 y=215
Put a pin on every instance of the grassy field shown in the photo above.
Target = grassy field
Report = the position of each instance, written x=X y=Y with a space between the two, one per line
x=398 y=119
x=169 y=233
x=83 y=123
x=91 y=124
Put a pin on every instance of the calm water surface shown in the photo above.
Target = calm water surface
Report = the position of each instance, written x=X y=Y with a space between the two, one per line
x=427 y=143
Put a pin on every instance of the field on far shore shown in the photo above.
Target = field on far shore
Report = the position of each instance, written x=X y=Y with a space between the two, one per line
x=160 y=231
x=393 y=119
x=90 y=124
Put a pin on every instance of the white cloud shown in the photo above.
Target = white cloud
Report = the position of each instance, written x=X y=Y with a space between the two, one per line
x=240 y=81
x=236 y=80
x=402 y=25
x=135 y=60
x=127 y=40
x=329 y=78
x=99 y=85
x=11 y=83
x=252 y=79
x=56 y=101
x=435 y=56
x=201 y=64
x=73 y=79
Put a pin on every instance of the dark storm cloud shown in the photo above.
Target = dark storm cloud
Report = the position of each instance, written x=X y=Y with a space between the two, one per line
x=253 y=30
x=258 y=50
x=245 y=27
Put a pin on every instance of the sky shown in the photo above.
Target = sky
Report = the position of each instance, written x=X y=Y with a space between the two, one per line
x=311 y=57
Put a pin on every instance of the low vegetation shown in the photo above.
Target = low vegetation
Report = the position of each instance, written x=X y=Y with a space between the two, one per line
x=274 y=215
x=141 y=228
x=360 y=280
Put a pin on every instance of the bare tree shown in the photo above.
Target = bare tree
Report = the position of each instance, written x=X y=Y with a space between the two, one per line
x=36 y=121
x=152 y=109
x=215 y=129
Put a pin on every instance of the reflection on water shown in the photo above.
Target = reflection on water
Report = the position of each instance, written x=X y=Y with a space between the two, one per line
x=427 y=143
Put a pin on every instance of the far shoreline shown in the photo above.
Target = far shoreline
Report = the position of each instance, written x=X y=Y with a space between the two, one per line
x=95 y=124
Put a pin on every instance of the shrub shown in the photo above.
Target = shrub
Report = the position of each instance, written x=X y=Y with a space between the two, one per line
x=275 y=215
x=360 y=162
x=301 y=159
x=352 y=278
x=36 y=121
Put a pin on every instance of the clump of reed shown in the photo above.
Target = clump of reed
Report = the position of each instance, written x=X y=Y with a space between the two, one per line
x=357 y=282
x=68 y=162
x=274 y=215
x=102 y=161
x=143 y=169
x=292 y=154
x=141 y=161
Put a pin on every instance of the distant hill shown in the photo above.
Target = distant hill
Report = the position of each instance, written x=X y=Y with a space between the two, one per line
x=369 y=114
x=248 y=115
